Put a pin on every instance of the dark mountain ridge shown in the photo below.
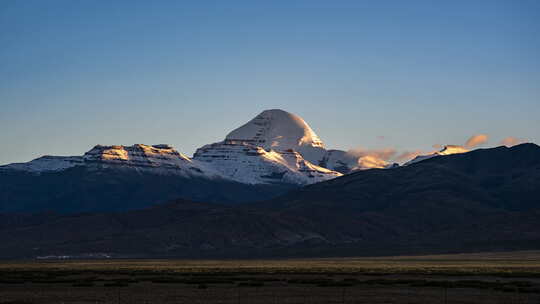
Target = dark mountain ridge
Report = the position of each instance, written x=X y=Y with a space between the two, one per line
x=500 y=177
x=80 y=189
x=483 y=200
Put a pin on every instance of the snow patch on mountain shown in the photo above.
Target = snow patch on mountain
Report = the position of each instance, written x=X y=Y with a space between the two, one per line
x=46 y=163
x=447 y=150
x=247 y=163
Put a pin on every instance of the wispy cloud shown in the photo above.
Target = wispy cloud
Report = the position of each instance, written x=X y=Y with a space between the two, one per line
x=371 y=158
x=407 y=155
x=473 y=141
x=380 y=158
x=370 y=161
x=476 y=140
x=385 y=153
x=512 y=141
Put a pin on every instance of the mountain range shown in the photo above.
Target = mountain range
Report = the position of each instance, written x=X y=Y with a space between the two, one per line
x=487 y=199
x=274 y=152
x=269 y=189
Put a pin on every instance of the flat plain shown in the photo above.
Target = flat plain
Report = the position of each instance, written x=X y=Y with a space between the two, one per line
x=505 y=277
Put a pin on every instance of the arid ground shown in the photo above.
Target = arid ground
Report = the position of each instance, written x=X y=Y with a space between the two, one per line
x=461 y=278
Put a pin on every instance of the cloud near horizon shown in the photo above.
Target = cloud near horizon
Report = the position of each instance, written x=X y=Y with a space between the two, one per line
x=476 y=140
x=408 y=155
x=512 y=141
x=380 y=158
x=371 y=158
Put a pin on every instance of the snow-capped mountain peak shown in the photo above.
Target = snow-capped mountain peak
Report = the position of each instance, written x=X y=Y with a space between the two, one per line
x=280 y=131
x=274 y=147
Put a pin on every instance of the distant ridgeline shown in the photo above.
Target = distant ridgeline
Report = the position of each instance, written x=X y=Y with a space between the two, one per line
x=484 y=200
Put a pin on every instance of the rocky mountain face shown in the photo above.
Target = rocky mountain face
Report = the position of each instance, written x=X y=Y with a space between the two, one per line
x=487 y=199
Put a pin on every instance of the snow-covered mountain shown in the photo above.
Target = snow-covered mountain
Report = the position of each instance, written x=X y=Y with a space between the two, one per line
x=275 y=147
x=229 y=160
x=159 y=159
x=279 y=130
x=162 y=159
x=250 y=164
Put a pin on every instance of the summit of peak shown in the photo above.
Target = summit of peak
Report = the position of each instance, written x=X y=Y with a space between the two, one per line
x=275 y=111
x=280 y=130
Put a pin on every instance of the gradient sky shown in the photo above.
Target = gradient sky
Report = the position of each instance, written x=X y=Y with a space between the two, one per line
x=74 y=74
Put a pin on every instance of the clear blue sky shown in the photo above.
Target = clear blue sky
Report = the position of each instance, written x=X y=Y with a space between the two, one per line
x=78 y=73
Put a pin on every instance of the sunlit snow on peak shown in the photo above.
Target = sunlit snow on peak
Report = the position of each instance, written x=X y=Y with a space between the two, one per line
x=280 y=130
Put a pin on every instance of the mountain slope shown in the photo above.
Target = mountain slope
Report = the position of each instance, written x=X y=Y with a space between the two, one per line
x=482 y=200
x=119 y=178
x=83 y=189
x=499 y=177
x=250 y=164
x=484 y=195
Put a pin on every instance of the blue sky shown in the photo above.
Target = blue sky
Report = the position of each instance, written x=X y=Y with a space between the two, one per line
x=74 y=74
